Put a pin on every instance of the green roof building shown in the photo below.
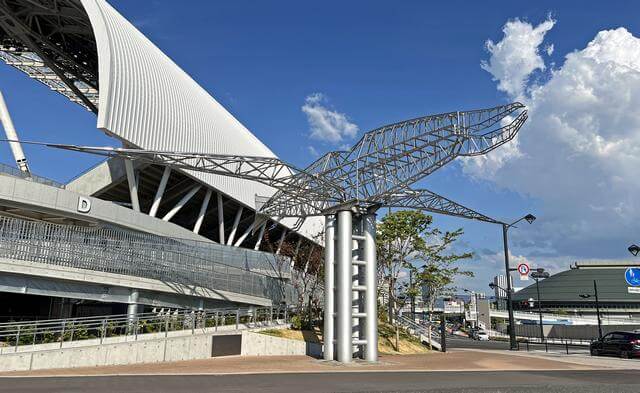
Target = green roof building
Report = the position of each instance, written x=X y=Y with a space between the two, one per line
x=561 y=291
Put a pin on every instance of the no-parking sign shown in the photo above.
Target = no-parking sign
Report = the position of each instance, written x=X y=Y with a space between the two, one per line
x=523 y=269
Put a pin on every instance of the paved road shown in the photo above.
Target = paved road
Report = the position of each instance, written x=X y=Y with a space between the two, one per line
x=463 y=342
x=507 y=381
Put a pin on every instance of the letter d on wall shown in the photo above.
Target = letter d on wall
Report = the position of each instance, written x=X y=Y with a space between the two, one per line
x=84 y=204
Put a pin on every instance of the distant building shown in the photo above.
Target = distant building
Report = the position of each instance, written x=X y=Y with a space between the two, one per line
x=561 y=292
x=500 y=292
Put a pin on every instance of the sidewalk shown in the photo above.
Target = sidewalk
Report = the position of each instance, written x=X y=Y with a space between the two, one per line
x=457 y=360
x=584 y=359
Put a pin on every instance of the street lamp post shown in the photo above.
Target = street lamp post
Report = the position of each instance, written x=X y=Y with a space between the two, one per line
x=537 y=275
x=595 y=293
x=530 y=218
x=475 y=297
x=413 y=298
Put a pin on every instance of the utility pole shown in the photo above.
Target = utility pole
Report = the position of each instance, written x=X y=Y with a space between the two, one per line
x=513 y=345
x=595 y=295
x=595 y=290
x=530 y=218
x=537 y=275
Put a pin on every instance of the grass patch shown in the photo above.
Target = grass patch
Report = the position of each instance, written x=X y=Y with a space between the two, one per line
x=386 y=339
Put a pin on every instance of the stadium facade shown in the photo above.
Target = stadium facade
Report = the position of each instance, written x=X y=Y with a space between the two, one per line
x=561 y=293
x=124 y=233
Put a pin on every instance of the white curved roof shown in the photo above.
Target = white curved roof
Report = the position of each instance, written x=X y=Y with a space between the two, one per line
x=148 y=101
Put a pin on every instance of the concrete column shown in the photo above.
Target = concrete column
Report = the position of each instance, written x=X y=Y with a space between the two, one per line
x=236 y=221
x=181 y=203
x=371 y=294
x=133 y=185
x=161 y=187
x=203 y=211
x=343 y=295
x=220 y=219
x=329 y=280
x=132 y=309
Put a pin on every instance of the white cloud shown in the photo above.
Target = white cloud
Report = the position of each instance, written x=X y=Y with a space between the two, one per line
x=326 y=124
x=313 y=151
x=579 y=153
x=549 y=49
x=515 y=57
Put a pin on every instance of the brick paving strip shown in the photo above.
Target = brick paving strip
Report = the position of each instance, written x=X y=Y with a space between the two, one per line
x=594 y=362
x=457 y=360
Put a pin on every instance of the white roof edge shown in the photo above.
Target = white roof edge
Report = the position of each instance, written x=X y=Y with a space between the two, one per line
x=148 y=101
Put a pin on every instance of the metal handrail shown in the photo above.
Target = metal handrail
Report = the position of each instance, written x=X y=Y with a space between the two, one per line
x=15 y=172
x=407 y=322
x=60 y=331
x=118 y=251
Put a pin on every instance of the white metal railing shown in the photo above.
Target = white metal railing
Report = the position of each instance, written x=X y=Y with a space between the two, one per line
x=15 y=172
x=60 y=333
x=420 y=330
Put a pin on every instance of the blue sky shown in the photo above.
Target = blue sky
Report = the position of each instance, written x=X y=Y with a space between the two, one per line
x=376 y=63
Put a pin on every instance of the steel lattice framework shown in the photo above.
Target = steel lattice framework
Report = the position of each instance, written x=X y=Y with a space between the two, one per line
x=377 y=171
x=52 y=41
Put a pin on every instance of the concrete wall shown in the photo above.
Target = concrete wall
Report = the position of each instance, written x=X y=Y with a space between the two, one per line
x=177 y=346
x=258 y=344
x=47 y=199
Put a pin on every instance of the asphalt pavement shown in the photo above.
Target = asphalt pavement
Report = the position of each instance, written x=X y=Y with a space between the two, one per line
x=457 y=342
x=463 y=381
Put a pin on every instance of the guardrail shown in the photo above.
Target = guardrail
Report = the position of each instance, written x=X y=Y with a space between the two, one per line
x=15 y=172
x=64 y=332
x=420 y=330
x=606 y=319
x=130 y=253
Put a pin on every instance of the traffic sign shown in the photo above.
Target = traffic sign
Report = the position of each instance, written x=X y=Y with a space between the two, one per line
x=523 y=269
x=632 y=276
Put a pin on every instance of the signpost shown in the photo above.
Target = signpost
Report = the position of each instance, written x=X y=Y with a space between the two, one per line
x=523 y=269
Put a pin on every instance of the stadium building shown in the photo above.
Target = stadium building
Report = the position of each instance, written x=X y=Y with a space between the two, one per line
x=123 y=235
x=561 y=293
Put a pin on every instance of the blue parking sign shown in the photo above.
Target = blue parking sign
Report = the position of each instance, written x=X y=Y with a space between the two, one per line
x=632 y=275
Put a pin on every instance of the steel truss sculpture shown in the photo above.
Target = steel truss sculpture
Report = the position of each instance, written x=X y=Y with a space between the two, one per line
x=347 y=187
x=52 y=42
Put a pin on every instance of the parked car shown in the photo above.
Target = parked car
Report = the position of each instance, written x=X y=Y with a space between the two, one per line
x=482 y=335
x=623 y=344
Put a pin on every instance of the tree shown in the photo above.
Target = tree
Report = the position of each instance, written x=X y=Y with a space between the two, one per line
x=304 y=261
x=405 y=240
x=439 y=270
x=400 y=238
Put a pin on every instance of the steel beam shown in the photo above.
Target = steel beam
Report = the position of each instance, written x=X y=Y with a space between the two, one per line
x=246 y=233
x=329 y=287
x=12 y=135
x=161 y=187
x=284 y=234
x=181 y=203
x=260 y=235
x=203 y=211
x=343 y=274
x=220 y=218
x=234 y=228
x=133 y=185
